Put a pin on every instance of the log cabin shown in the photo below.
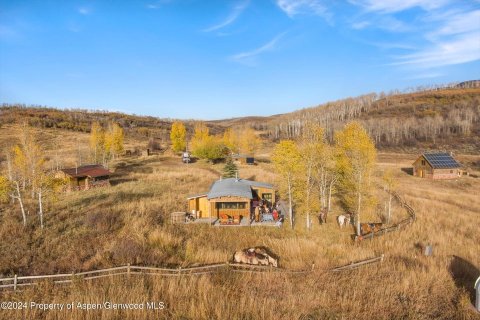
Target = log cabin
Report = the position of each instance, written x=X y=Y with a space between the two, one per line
x=85 y=177
x=438 y=165
x=231 y=199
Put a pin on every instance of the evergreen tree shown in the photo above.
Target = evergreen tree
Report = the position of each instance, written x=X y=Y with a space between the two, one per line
x=230 y=169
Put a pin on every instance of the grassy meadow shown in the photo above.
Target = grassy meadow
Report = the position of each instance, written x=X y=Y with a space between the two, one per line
x=130 y=223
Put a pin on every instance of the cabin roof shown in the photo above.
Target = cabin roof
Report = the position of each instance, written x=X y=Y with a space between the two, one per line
x=91 y=170
x=235 y=187
x=199 y=195
x=441 y=160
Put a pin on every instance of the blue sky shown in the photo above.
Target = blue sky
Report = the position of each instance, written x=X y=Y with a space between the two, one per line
x=220 y=59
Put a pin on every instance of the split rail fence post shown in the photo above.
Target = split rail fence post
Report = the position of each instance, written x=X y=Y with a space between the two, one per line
x=477 y=289
x=15 y=282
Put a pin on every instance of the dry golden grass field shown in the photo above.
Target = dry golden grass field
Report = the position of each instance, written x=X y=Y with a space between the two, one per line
x=129 y=223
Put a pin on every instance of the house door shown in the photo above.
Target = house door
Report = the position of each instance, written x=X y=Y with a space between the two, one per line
x=421 y=173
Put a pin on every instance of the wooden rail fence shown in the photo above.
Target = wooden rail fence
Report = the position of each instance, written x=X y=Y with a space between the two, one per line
x=400 y=225
x=16 y=282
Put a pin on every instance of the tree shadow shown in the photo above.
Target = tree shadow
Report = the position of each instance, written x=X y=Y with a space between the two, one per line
x=464 y=275
x=408 y=171
x=116 y=181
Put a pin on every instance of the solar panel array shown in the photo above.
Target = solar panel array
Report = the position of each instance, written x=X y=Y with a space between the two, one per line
x=441 y=160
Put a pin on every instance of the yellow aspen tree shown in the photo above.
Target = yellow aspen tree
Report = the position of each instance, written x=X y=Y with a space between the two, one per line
x=97 y=142
x=286 y=159
x=311 y=147
x=5 y=189
x=249 y=141
x=48 y=188
x=230 y=140
x=356 y=161
x=118 y=139
x=27 y=168
x=389 y=184
x=199 y=140
x=114 y=140
x=178 y=135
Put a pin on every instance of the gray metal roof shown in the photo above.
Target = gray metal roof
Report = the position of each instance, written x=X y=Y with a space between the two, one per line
x=258 y=184
x=441 y=160
x=234 y=187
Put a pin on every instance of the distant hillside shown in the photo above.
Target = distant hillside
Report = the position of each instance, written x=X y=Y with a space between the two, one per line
x=81 y=120
x=434 y=118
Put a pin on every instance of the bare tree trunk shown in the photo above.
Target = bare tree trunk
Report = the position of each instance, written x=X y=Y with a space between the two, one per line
x=359 y=201
x=389 y=206
x=290 y=211
x=40 y=207
x=19 y=198
x=358 y=212
x=309 y=178
x=330 y=187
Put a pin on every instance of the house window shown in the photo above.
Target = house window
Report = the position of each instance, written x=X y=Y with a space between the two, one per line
x=423 y=162
x=267 y=196
x=451 y=171
x=230 y=205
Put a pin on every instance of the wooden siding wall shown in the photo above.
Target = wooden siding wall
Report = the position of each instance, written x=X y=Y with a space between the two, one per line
x=446 y=173
x=261 y=191
x=231 y=212
x=200 y=205
x=419 y=170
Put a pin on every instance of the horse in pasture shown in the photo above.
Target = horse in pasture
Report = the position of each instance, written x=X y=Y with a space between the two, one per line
x=255 y=256
x=322 y=216
x=367 y=228
x=343 y=219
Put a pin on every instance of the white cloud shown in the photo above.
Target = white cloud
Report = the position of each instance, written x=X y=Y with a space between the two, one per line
x=157 y=4
x=425 y=76
x=457 y=23
x=446 y=34
x=243 y=56
x=236 y=12
x=360 y=25
x=461 y=49
x=296 y=7
x=84 y=10
x=391 y=6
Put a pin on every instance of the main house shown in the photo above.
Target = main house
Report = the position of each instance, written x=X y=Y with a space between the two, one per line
x=437 y=165
x=231 y=199
x=86 y=177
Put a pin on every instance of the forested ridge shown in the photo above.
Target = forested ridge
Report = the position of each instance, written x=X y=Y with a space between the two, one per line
x=425 y=118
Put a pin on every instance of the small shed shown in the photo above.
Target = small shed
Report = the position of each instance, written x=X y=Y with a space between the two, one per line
x=244 y=159
x=86 y=177
x=437 y=165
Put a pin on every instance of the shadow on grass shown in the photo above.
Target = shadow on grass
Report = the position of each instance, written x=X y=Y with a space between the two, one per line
x=408 y=171
x=117 y=181
x=464 y=275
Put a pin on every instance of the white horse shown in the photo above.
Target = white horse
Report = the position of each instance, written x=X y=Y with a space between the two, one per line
x=343 y=219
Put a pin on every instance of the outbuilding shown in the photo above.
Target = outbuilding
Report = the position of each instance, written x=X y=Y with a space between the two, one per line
x=437 y=165
x=86 y=177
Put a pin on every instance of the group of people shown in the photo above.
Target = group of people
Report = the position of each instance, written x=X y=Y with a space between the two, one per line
x=265 y=208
